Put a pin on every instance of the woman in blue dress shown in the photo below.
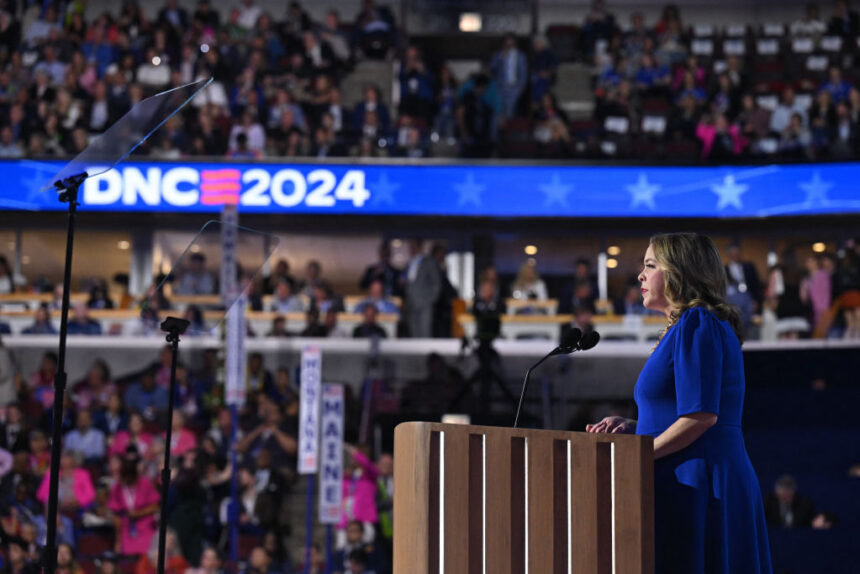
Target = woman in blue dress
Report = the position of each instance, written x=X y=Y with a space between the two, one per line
x=709 y=516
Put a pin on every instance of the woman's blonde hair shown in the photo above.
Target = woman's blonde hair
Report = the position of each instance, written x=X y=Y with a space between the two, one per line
x=525 y=268
x=694 y=276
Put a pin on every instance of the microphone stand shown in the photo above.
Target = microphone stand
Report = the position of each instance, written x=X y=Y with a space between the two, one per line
x=68 y=189
x=174 y=327
x=552 y=353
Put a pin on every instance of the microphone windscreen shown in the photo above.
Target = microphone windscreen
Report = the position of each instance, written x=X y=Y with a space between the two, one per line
x=589 y=340
x=571 y=338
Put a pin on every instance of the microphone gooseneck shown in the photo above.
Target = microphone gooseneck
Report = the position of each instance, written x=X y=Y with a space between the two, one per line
x=574 y=340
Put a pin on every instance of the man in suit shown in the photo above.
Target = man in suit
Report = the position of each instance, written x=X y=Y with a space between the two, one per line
x=785 y=508
x=510 y=71
x=423 y=284
x=744 y=285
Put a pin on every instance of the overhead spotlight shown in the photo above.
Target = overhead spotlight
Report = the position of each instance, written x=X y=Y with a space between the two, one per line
x=25 y=260
x=531 y=250
x=156 y=61
x=613 y=250
x=123 y=245
x=396 y=243
x=204 y=48
x=470 y=22
x=612 y=263
x=819 y=247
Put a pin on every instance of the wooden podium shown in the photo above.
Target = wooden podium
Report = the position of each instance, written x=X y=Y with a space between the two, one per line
x=492 y=500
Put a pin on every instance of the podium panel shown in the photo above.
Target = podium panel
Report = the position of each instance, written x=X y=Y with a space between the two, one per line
x=494 y=500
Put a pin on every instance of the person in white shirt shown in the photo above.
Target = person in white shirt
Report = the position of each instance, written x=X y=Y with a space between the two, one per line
x=528 y=285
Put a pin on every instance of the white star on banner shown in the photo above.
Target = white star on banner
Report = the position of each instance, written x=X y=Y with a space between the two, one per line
x=643 y=192
x=555 y=192
x=816 y=189
x=729 y=193
x=383 y=190
x=470 y=191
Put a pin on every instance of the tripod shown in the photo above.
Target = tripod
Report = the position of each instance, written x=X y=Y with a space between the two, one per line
x=486 y=375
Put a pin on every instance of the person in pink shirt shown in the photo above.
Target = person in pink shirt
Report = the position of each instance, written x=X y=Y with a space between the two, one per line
x=93 y=391
x=134 y=502
x=75 y=489
x=359 y=494
x=135 y=435
x=182 y=440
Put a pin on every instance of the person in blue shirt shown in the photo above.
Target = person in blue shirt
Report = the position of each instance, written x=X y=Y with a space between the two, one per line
x=86 y=440
x=651 y=77
x=708 y=509
x=81 y=323
x=376 y=298
x=146 y=397
x=836 y=86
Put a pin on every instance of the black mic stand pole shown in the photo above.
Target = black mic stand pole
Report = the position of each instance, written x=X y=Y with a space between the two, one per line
x=526 y=384
x=174 y=327
x=68 y=189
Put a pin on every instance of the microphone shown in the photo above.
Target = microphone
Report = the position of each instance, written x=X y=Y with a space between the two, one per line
x=573 y=341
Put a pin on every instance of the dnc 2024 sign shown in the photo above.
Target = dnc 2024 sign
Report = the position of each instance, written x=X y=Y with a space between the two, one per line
x=496 y=190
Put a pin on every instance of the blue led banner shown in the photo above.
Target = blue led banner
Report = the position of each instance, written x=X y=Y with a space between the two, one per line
x=453 y=190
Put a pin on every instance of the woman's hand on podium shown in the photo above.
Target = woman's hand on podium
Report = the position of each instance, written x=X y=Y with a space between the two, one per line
x=613 y=425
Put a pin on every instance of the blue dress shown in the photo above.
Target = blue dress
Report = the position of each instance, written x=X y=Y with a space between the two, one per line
x=709 y=516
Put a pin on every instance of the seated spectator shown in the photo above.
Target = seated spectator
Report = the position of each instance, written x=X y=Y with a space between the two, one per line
x=780 y=119
x=332 y=329
x=284 y=300
x=260 y=562
x=313 y=276
x=551 y=125
x=146 y=397
x=135 y=437
x=99 y=297
x=85 y=440
x=81 y=323
x=720 y=141
x=785 y=508
x=838 y=88
x=134 y=501
x=416 y=85
x=75 y=486
x=845 y=140
x=810 y=25
x=410 y=142
x=796 y=140
x=40 y=385
x=652 y=79
x=210 y=563
x=66 y=562
x=638 y=38
x=631 y=303
x=196 y=280
x=325 y=299
x=693 y=66
x=279 y=327
x=318 y=53
x=41 y=323
x=313 y=327
x=528 y=285
x=671 y=41
x=724 y=99
x=822 y=119
x=376 y=298
x=753 y=120
x=689 y=89
x=369 y=328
